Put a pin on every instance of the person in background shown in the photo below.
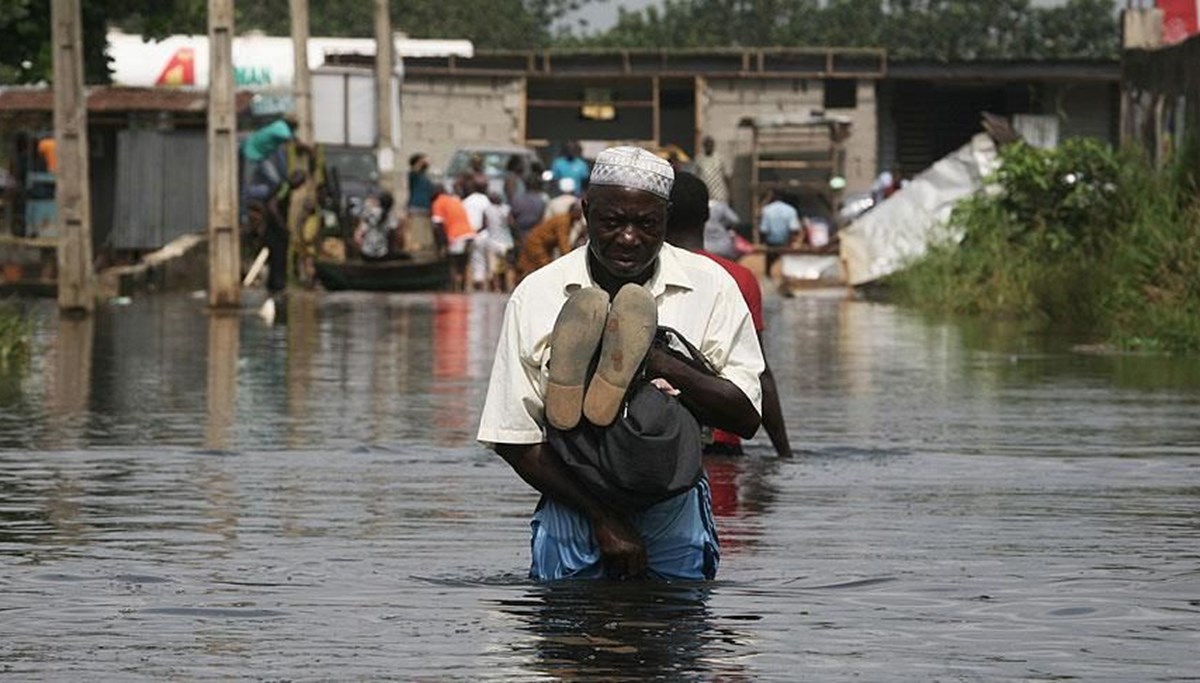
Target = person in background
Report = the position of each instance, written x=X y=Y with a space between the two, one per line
x=779 y=225
x=376 y=227
x=500 y=245
x=685 y=229
x=476 y=204
x=528 y=209
x=475 y=175
x=514 y=179
x=47 y=149
x=302 y=205
x=710 y=167
x=450 y=218
x=259 y=148
x=719 y=230
x=420 y=187
x=275 y=233
x=570 y=165
x=563 y=202
x=551 y=239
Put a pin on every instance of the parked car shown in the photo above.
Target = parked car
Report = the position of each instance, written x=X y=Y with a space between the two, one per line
x=495 y=161
x=357 y=171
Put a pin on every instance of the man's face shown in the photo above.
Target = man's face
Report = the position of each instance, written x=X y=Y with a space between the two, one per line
x=709 y=145
x=626 y=228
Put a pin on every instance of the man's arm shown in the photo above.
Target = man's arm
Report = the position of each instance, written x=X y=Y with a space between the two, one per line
x=772 y=417
x=715 y=401
x=541 y=467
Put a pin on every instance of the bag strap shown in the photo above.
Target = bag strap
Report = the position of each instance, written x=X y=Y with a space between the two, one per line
x=664 y=336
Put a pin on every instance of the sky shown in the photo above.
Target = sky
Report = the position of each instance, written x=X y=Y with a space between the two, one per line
x=602 y=14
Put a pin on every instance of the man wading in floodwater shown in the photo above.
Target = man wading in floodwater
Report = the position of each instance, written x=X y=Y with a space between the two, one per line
x=538 y=391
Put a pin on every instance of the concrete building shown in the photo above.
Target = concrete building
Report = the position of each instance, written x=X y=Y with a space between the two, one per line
x=904 y=116
x=1161 y=99
x=653 y=98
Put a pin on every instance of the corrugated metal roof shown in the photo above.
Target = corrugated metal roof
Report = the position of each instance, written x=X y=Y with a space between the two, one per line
x=117 y=99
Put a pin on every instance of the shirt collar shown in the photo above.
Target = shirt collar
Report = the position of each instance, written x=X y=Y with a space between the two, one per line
x=668 y=272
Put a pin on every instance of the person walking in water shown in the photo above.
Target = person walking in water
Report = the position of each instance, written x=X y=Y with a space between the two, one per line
x=605 y=301
x=685 y=229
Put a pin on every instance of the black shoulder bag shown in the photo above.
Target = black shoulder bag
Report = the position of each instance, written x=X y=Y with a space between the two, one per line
x=652 y=451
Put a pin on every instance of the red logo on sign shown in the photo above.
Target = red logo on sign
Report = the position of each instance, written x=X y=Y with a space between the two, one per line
x=180 y=69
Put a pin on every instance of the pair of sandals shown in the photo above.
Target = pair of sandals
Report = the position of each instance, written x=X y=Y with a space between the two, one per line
x=623 y=331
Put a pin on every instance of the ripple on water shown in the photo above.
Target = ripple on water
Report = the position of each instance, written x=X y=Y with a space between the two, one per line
x=186 y=498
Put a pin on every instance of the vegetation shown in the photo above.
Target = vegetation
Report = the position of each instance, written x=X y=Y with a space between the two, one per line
x=909 y=29
x=1083 y=236
x=924 y=29
x=14 y=337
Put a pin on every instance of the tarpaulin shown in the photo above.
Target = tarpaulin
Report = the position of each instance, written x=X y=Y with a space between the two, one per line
x=899 y=230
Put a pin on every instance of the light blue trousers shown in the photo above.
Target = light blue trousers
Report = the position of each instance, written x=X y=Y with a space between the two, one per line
x=679 y=533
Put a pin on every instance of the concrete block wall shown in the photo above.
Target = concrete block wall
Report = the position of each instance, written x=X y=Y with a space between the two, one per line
x=440 y=114
x=862 y=149
x=725 y=101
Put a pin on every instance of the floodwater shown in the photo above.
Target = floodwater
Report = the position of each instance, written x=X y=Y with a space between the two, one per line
x=185 y=496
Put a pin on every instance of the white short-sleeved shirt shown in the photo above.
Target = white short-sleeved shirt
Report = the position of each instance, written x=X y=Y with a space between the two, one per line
x=695 y=296
x=476 y=204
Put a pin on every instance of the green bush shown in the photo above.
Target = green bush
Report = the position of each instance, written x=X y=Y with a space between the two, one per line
x=1082 y=236
x=14 y=337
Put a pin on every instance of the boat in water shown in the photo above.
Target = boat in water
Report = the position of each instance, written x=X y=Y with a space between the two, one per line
x=405 y=274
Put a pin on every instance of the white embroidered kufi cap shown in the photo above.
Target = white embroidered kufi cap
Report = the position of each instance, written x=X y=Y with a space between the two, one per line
x=633 y=167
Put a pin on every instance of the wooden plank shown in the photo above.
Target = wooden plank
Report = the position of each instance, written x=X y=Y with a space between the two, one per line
x=224 y=254
x=76 y=280
x=389 y=176
x=796 y=165
x=302 y=79
x=656 y=114
x=579 y=104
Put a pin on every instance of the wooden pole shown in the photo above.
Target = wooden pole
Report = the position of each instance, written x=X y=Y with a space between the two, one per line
x=76 y=281
x=224 y=251
x=384 y=68
x=221 y=380
x=302 y=85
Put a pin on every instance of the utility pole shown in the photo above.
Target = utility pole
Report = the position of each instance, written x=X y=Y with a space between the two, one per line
x=224 y=250
x=302 y=86
x=384 y=66
x=76 y=282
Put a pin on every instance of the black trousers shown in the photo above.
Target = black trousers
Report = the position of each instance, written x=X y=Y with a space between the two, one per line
x=276 y=239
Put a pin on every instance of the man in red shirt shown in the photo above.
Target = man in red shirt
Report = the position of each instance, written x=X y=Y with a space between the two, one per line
x=685 y=229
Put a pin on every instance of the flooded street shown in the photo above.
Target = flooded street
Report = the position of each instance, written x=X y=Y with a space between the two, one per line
x=185 y=496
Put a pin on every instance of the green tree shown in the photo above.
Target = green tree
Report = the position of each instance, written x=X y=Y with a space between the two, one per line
x=909 y=29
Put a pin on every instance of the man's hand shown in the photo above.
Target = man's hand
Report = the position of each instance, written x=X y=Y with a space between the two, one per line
x=621 y=548
x=623 y=551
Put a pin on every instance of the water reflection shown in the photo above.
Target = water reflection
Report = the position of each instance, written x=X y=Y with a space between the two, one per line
x=221 y=384
x=742 y=493
x=185 y=493
x=613 y=631
x=70 y=390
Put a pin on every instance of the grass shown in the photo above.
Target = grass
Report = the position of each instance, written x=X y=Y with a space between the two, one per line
x=1083 y=236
